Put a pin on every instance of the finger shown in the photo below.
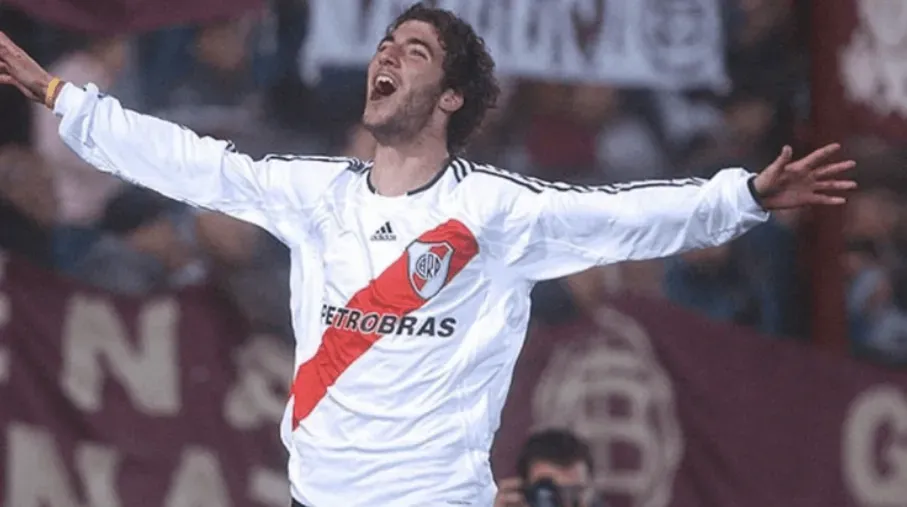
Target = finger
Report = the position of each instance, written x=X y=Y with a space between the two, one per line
x=783 y=158
x=4 y=43
x=835 y=186
x=828 y=200
x=11 y=81
x=833 y=169
x=814 y=158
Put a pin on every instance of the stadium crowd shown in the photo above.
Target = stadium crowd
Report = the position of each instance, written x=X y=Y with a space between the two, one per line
x=238 y=79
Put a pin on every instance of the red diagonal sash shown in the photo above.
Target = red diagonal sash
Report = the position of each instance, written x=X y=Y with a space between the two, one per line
x=391 y=293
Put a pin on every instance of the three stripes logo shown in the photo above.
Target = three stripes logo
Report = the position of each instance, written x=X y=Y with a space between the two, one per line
x=385 y=233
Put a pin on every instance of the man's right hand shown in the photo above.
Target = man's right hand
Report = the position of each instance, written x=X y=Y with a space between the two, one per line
x=510 y=493
x=20 y=70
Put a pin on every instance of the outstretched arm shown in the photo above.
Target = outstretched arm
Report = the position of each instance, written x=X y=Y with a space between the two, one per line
x=552 y=230
x=273 y=193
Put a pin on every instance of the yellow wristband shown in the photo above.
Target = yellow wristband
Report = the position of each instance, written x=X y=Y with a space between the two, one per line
x=52 y=92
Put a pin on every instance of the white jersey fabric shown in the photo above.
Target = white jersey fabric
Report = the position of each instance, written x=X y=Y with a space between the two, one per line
x=410 y=311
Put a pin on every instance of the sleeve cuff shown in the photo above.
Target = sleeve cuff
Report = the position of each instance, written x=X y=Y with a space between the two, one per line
x=753 y=194
x=70 y=96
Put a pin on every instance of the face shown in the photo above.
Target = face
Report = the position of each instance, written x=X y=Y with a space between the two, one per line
x=750 y=120
x=223 y=45
x=404 y=83
x=574 y=481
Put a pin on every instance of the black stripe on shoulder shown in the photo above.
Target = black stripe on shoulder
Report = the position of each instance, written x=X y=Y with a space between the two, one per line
x=312 y=158
x=355 y=165
x=469 y=166
x=511 y=177
x=460 y=168
x=539 y=185
x=358 y=166
x=618 y=188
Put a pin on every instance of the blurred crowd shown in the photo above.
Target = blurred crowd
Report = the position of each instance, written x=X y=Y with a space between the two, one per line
x=238 y=79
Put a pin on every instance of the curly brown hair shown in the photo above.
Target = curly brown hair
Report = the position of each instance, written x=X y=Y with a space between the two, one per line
x=468 y=69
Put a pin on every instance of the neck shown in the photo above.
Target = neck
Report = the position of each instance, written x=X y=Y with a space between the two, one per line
x=401 y=168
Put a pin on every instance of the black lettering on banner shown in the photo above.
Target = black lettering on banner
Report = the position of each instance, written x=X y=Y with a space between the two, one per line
x=408 y=325
x=353 y=321
x=448 y=326
x=387 y=325
x=369 y=323
x=428 y=327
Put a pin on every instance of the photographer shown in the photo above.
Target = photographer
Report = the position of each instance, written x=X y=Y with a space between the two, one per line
x=555 y=470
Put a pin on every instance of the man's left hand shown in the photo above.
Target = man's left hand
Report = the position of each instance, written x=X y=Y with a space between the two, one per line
x=811 y=180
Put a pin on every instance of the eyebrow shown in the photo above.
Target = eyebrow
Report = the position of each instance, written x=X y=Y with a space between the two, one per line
x=410 y=41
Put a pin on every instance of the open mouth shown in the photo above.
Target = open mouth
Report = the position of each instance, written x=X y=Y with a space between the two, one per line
x=383 y=87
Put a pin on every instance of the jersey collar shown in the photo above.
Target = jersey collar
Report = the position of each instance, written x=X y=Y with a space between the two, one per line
x=437 y=177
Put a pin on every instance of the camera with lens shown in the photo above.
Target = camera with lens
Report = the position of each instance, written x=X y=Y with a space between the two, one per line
x=544 y=493
x=556 y=470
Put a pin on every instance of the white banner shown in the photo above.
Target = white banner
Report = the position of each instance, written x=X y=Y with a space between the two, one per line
x=669 y=44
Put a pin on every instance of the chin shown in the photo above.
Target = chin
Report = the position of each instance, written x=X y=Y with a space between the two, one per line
x=379 y=125
x=374 y=119
x=370 y=125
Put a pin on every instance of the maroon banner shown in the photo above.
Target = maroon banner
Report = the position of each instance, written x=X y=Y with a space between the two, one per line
x=159 y=402
x=684 y=412
x=121 y=17
x=864 y=90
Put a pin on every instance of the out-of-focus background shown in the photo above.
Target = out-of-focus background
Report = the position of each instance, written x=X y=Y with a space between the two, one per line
x=145 y=347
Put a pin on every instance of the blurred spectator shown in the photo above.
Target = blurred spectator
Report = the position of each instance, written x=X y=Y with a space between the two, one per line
x=873 y=215
x=218 y=93
x=81 y=190
x=770 y=255
x=868 y=287
x=877 y=285
x=289 y=99
x=888 y=338
x=251 y=267
x=686 y=117
x=225 y=93
x=559 y=143
x=147 y=243
x=750 y=134
x=627 y=147
x=763 y=53
x=714 y=281
x=27 y=206
x=221 y=74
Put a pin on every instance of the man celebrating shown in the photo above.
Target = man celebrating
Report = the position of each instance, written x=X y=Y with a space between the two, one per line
x=411 y=273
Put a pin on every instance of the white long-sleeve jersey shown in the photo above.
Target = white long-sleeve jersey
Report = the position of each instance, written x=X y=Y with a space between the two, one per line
x=410 y=311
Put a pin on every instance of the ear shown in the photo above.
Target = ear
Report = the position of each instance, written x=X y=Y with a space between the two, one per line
x=450 y=102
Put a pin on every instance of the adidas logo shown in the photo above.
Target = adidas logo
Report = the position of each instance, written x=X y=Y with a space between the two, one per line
x=385 y=233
